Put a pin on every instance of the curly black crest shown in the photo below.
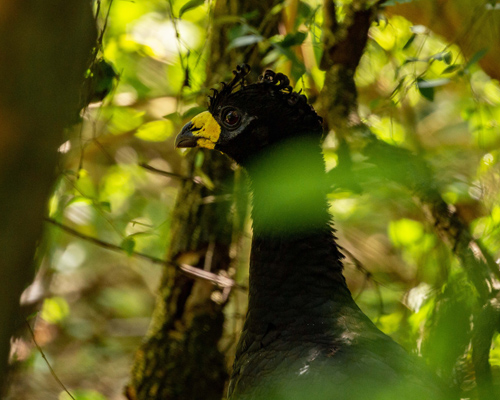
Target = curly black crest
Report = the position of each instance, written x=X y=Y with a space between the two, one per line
x=275 y=83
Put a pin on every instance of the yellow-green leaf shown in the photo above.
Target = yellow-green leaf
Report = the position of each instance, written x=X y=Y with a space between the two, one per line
x=156 y=131
x=54 y=310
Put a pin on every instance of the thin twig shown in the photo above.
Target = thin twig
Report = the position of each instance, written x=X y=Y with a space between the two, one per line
x=47 y=362
x=169 y=174
x=188 y=270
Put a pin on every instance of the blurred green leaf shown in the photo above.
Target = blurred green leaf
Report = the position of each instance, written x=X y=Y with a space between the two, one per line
x=293 y=39
x=190 y=5
x=122 y=119
x=409 y=41
x=476 y=57
x=54 y=309
x=246 y=40
x=442 y=56
x=155 y=131
x=394 y=2
x=82 y=394
x=452 y=68
x=175 y=117
x=105 y=205
x=405 y=232
x=425 y=91
x=128 y=244
x=192 y=112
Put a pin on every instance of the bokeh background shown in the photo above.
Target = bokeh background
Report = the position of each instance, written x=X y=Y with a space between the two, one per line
x=91 y=301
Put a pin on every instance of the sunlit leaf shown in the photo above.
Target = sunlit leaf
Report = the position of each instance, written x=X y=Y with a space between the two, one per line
x=409 y=41
x=246 y=40
x=82 y=394
x=156 y=131
x=122 y=119
x=54 y=309
x=190 y=5
x=405 y=232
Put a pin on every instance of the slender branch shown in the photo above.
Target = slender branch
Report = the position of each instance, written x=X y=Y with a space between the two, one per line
x=195 y=179
x=188 y=270
x=52 y=372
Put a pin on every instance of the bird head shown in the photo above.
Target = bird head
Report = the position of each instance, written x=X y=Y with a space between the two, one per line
x=242 y=119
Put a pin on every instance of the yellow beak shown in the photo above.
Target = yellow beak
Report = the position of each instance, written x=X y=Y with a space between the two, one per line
x=202 y=131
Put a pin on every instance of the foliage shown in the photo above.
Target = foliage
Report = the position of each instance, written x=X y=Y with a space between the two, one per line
x=416 y=91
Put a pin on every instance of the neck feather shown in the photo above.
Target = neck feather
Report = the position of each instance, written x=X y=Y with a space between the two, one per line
x=295 y=263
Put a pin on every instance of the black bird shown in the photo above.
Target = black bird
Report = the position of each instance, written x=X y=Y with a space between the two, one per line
x=304 y=336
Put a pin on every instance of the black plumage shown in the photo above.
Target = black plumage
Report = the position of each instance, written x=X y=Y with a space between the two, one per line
x=304 y=336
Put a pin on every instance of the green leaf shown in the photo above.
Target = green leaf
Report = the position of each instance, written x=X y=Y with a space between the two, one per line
x=198 y=161
x=192 y=112
x=304 y=10
x=122 y=119
x=410 y=60
x=426 y=88
x=442 y=56
x=128 y=244
x=246 y=40
x=175 y=117
x=426 y=91
x=409 y=41
x=448 y=58
x=155 y=131
x=54 y=310
x=451 y=68
x=476 y=57
x=405 y=232
x=251 y=15
x=32 y=315
x=190 y=5
x=82 y=394
x=105 y=206
x=393 y=2
x=293 y=39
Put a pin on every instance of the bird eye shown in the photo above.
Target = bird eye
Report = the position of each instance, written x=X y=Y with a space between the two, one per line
x=232 y=118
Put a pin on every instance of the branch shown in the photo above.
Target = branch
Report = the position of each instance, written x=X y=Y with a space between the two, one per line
x=52 y=372
x=195 y=179
x=188 y=270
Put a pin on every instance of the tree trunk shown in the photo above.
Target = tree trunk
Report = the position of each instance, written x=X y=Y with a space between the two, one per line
x=45 y=48
x=180 y=358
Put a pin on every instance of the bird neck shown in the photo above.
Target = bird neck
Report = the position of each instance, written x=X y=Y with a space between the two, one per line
x=295 y=266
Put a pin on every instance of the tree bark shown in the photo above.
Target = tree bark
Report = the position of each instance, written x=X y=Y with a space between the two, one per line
x=45 y=48
x=180 y=358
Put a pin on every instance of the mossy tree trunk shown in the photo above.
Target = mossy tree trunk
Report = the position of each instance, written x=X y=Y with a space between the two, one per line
x=179 y=358
x=45 y=48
